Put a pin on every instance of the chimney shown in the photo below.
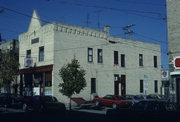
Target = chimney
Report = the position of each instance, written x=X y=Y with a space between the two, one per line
x=106 y=29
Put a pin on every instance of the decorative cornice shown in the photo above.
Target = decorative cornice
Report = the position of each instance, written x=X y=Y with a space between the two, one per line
x=49 y=28
x=79 y=31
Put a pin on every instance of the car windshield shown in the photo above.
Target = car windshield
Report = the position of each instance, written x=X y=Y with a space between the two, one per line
x=121 y=98
x=49 y=99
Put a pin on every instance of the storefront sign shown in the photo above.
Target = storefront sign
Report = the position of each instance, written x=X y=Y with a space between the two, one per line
x=177 y=62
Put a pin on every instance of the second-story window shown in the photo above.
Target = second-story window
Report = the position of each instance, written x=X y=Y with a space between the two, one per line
x=41 y=53
x=28 y=54
x=90 y=54
x=100 y=56
x=155 y=61
x=140 y=59
x=122 y=60
x=116 y=57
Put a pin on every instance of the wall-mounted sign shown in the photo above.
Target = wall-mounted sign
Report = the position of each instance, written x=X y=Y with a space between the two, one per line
x=177 y=62
x=28 y=62
x=165 y=74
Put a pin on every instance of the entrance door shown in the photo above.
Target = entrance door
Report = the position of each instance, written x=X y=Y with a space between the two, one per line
x=178 y=90
x=123 y=85
x=116 y=85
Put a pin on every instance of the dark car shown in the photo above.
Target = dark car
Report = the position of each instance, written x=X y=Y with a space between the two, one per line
x=10 y=100
x=43 y=104
x=132 y=98
x=151 y=110
x=112 y=101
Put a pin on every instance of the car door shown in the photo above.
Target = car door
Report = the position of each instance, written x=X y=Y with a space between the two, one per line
x=108 y=100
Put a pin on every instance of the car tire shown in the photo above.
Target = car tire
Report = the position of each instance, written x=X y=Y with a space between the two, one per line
x=41 y=109
x=114 y=106
x=25 y=107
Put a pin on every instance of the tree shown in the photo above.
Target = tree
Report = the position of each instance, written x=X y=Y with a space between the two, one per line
x=73 y=79
x=9 y=68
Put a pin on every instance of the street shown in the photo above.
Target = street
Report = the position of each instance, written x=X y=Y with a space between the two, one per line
x=84 y=115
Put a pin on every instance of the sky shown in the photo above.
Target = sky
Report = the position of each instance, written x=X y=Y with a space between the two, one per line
x=148 y=18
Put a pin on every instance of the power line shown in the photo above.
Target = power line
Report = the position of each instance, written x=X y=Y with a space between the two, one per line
x=149 y=38
x=56 y=24
x=129 y=11
x=144 y=3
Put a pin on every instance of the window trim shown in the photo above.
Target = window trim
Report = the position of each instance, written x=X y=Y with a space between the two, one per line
x=155 y=61
x=100 y=57
x=90 y=56
x=116 y=58
x=41 y=59
x=141 y=63
x=141 y=86
x=28 y=55
x=93 y=85
x=123 y=60
x=156 y=86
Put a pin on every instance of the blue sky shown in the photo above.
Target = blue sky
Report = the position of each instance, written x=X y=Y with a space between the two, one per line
x=149 y=17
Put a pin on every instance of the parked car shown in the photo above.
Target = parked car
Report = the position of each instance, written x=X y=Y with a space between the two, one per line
x=10 y=100
x=112 y=101
x=155 y=96
x=147 y=110
x=132 y=98
x=43 y=104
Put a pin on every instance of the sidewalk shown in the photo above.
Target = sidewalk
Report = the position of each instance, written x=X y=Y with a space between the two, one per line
x=9 y=110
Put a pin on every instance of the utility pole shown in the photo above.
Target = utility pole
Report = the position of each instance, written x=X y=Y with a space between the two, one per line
x=128 y=30
x=98 y=18
x=87 y=20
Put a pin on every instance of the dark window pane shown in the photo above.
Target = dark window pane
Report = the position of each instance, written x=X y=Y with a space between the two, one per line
x=93 y=85
x=41 y=53
x=140 y=59
x=155 y=86
x=122 y=60
x=155 y=61
x=90 y=54
x=115 y=57
x=28 y=54
x=141 y=86
x=100 y=56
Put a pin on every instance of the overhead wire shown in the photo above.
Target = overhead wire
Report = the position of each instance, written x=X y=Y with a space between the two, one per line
x=57 y=25
x=129 y=11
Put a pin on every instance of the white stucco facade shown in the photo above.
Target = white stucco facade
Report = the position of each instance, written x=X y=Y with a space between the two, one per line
x=62 y=42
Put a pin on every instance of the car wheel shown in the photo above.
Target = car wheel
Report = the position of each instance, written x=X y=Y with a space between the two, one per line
x=41 y=109
x=25 y=107
x=97 y=103
x=114 y=106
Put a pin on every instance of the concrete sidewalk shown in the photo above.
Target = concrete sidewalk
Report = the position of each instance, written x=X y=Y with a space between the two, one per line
x=10 y=110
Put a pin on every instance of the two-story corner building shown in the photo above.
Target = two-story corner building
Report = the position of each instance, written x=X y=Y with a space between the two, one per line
x=44 y=49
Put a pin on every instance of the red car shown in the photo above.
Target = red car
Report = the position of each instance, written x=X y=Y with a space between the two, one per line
x=112 y=101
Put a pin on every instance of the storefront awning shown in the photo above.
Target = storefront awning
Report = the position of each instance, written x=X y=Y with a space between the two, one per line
x=175 y=73
x=46 y=68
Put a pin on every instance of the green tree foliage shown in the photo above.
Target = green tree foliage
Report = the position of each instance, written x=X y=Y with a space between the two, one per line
x=73 y=79
x=9 y=68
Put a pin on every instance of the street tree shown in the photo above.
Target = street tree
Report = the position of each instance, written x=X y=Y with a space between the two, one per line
x=73 y=79
x=9 y=69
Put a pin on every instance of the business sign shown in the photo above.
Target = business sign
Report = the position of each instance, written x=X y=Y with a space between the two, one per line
x=165 y=74
x=177 y=62
x=28 y=62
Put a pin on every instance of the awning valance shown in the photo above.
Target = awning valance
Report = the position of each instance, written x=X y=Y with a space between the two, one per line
x=45 y=68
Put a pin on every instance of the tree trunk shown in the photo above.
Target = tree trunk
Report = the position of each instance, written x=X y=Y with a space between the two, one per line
x=70 y=103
